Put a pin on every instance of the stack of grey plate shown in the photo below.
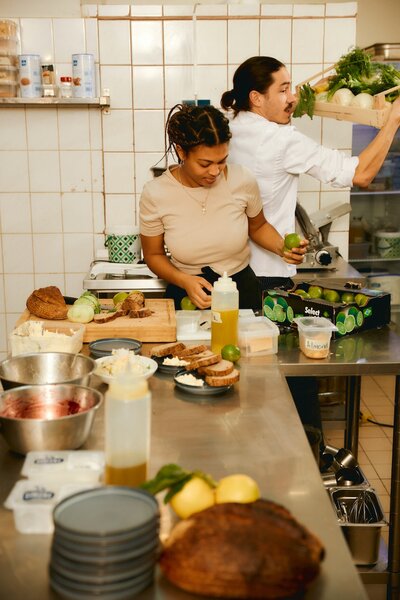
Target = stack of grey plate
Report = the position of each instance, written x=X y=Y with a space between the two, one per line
x=105 y=543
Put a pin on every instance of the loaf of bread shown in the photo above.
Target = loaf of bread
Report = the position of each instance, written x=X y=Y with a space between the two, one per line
x=47 y=303
x=255 y=550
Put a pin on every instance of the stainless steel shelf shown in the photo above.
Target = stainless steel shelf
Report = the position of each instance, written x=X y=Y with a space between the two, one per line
x=376 y=193
x=369 y=259
x=101 y=101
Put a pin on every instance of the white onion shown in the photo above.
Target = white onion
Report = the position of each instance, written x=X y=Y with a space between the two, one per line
x=80 y=313
x=363 y=100
x=344 y=97
x=321 y=97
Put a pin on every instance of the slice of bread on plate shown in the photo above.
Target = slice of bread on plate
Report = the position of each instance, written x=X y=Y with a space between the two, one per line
x=166 y=349
x=203 y=360
x=222 y=380
x=191 y=350
x=223 y=367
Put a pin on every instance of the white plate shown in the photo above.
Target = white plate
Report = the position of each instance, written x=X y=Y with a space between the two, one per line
x=149 y=367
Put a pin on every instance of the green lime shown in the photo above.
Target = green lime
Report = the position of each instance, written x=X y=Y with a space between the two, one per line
x=119 y=297
x=290 y=314
x=292 y=240
x=230 y=352
x=361 y=299
x=282 y=302
x=331 y=296
x=268 y=301
x=187 y=304
x=341 y=328
x=268 y=312
x=341 y=317
x=279 y=314
x=359 y=318
x=347 y=297
x=352 y=310
x=315 y=291
x=302 y=293
x=349 y=323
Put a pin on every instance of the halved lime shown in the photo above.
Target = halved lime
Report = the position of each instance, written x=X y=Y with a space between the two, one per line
x=268 y=301
x=353 y=311
x=279 y=313
x=349 y=323
x=282 y=302
x=340 y=317
x=359 y=318
x=341 y=328
x=290 y=314
x=268 y=312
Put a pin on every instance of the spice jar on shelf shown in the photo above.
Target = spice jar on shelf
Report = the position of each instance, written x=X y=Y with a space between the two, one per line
x=66 y=87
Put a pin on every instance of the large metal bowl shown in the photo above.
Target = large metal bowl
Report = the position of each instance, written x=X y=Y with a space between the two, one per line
x=33 y=420
x=46 y=367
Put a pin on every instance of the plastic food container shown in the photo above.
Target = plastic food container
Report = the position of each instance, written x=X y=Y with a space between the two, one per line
x=8 y=45
x=258 y=336
x=8 y=28
x=8 y=90
x=8 y=74
x=187 y=321
x=64 y=466
x=315 y=335
x=42 y=336
x=388 y=243
x=33 y=502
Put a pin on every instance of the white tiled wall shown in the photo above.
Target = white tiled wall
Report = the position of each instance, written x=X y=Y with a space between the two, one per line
x=66 y=174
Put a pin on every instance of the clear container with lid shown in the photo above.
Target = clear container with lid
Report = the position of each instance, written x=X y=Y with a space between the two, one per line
x=224 y=313
x=8 y=45
x=8 y=89
x=8 y=74
x=315 y=335
x=258 y=336
x=8 y=28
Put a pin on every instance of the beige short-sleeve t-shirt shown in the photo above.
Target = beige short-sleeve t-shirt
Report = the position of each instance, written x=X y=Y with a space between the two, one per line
x=202 y=226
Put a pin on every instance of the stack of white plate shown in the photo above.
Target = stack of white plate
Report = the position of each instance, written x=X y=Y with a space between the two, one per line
x=105 y=544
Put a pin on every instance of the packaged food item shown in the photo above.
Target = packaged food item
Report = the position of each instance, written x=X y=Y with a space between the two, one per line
x=64 y=465
x=315 y=335
x=48 y=75
x=33 y=502
x=83 y=76
x=30 y=79
x=8 y=28
x=66 y=87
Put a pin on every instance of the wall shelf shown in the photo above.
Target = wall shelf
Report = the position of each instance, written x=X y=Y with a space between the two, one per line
x=368 y=259
x=376 y=193
x=102 y=102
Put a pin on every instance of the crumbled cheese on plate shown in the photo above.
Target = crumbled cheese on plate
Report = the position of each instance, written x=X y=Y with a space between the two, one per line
x=174 y=362
x=189 y=379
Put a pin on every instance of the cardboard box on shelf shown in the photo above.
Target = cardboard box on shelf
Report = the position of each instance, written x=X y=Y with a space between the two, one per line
x=351 y=310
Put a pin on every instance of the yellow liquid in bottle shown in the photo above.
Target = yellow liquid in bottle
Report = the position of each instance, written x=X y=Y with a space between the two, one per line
x=226 y=331
x=129 y=476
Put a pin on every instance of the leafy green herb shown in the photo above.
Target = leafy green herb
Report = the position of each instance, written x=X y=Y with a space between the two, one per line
x=172 y=478
x=305 y=102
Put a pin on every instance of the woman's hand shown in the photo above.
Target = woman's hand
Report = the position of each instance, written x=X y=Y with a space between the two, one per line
x=194 y=287
x=295 y=255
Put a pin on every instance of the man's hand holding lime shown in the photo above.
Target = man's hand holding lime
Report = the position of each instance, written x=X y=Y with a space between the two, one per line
x=294 y=249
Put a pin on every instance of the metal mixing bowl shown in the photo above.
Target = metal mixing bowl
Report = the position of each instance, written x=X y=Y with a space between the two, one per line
x=33 y=420
x=46 y=367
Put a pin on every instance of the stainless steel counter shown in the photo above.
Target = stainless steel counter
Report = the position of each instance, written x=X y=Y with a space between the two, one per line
x=253 y=429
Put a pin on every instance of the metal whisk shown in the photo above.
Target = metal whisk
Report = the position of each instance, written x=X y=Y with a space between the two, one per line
x=363 y=509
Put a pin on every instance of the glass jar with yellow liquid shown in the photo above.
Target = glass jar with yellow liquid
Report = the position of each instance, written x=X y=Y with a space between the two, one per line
x=127 y=431
x=224 y=313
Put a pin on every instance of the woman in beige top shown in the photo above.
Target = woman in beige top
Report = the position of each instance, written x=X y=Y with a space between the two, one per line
x=204 y=211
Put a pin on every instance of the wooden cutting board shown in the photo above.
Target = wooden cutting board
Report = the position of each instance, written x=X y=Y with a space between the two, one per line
x=159 y=327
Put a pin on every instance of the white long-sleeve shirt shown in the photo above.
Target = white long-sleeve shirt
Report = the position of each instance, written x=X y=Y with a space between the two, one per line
x=277 y=155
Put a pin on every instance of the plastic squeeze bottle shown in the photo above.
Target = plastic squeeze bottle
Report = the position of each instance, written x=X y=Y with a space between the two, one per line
x=127 y=431
x=224 y=313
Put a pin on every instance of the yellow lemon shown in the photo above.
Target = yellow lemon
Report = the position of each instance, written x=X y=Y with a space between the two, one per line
x=237 y=488
x=196 y=495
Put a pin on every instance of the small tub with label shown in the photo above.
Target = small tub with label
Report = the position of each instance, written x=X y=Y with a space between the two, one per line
x=64 y=466
x=315 y=335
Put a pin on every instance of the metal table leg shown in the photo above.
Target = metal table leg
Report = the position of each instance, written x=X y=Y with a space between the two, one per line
x=393 y=586
x=352 y=413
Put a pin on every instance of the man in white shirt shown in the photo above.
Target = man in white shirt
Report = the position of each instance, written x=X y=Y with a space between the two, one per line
x=264 y=141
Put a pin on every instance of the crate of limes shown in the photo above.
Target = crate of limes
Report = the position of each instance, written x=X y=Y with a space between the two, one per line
x=350 y=310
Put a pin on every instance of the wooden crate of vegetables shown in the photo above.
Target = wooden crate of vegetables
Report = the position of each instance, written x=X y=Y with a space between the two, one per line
x=355 y=89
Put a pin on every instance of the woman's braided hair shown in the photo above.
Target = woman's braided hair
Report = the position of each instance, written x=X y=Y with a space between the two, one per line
x=191 y=126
